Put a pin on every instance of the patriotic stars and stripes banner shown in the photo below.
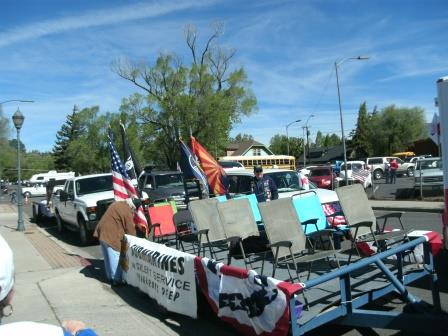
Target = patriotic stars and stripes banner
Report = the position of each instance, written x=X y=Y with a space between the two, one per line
x=360 y=174
x=252 y=303
x=123 y=187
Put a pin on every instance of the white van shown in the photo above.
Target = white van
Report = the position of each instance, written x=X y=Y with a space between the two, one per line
x=52 y=174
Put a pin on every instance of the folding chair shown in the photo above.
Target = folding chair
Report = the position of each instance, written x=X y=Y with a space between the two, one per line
x=287 y=240
x=239 y=223
x=313 y=218
x=185 y=231
x=162 y=223
x=165 y=202
x=361 y=219
x=208 y=224
x=253 y=204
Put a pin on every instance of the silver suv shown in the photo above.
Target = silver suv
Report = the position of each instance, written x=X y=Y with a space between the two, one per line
x=429 y=173
x=376 y=166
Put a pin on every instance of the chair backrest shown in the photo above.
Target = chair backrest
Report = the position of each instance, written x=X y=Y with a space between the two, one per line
x=162 y=215
x=282 y=224
x=183 y=221
x=307 y=205
x=237 y=218
x=253 y=204
x=172 y=203
x=356 y=207
x=206 y=216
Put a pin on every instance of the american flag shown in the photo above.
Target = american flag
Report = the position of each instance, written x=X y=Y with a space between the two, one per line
x=123 y=187
x=330 y=209
x=360 y=174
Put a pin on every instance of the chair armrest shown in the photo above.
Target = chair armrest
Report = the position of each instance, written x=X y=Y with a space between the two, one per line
x=391 y=215
x=155 y=225
x=310 y=221
x=284 y=243
x=203 y=231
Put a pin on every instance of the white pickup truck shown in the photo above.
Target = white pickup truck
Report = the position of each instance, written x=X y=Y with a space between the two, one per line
x=78 y=205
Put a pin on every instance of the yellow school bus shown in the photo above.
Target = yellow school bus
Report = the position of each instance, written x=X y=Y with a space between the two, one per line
x=266 y=161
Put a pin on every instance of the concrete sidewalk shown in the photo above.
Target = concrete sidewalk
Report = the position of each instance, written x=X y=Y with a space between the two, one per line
x=53 y=285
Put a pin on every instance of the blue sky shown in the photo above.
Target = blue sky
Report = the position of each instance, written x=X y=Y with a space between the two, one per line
x=59 y=53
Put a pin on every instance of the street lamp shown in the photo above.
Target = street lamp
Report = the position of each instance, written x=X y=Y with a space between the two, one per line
x=336 y=65
x=305 y=145
x=287 y=137
x=18 y=119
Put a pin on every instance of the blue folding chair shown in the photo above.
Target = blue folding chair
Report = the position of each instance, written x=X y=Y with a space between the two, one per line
x=253 y=205
x=309 y=210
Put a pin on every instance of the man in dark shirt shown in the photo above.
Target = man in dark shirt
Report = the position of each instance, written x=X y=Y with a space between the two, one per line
x=263 y=186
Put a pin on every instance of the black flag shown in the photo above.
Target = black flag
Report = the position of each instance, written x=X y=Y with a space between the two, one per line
x=131 y=164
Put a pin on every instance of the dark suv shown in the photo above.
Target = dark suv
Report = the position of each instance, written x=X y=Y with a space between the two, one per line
x=163 y=185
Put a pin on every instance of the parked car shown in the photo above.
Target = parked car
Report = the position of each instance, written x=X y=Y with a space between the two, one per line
x=376 y=166
x=306 y=170
x=34 y=189
x=76 y=206
x=355 y=165
x=287 y=181
x=323 y=177
x=161 y=185
x=429 y=173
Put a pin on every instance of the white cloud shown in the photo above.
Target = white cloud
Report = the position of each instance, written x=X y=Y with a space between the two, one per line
x=96 y=18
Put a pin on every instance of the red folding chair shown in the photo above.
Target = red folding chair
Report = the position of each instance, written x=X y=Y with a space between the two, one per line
x=162 y=223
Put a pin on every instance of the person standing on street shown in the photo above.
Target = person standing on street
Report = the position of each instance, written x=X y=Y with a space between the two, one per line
x=387 y=171
x=115 y=223
x=263 y=186
x=393 y=171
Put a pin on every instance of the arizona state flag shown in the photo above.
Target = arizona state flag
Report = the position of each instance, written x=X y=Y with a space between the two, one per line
x=216 y=176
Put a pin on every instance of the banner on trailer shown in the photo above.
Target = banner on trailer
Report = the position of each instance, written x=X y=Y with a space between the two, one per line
x=165 y=274
x=254 y=304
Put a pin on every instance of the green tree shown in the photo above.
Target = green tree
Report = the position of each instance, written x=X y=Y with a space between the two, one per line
x=68 y=132
x=394 y=129
x=87 y=152
x=205 y=98
x=37 y=162
x=360 y=142
x=241 y=137
x=7 y=157
x=319 y=142
x=278 y=145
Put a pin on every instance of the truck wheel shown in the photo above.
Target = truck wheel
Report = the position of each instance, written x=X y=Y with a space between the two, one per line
x=36 y=216
x=410 y=172
x=377 y=174
x=84 y=237
x=59 y=222
x=27 y=194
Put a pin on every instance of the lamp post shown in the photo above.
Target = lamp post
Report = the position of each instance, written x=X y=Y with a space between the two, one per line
x=336 y=65
x=18 y=119
x=305 y=129
x=287 y=137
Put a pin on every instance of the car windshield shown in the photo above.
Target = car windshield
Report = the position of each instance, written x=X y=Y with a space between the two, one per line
x=430 y=164
x=320 y=172
x=240 y=184
x=285 y=181
x=94 y=184
x=169 y=180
